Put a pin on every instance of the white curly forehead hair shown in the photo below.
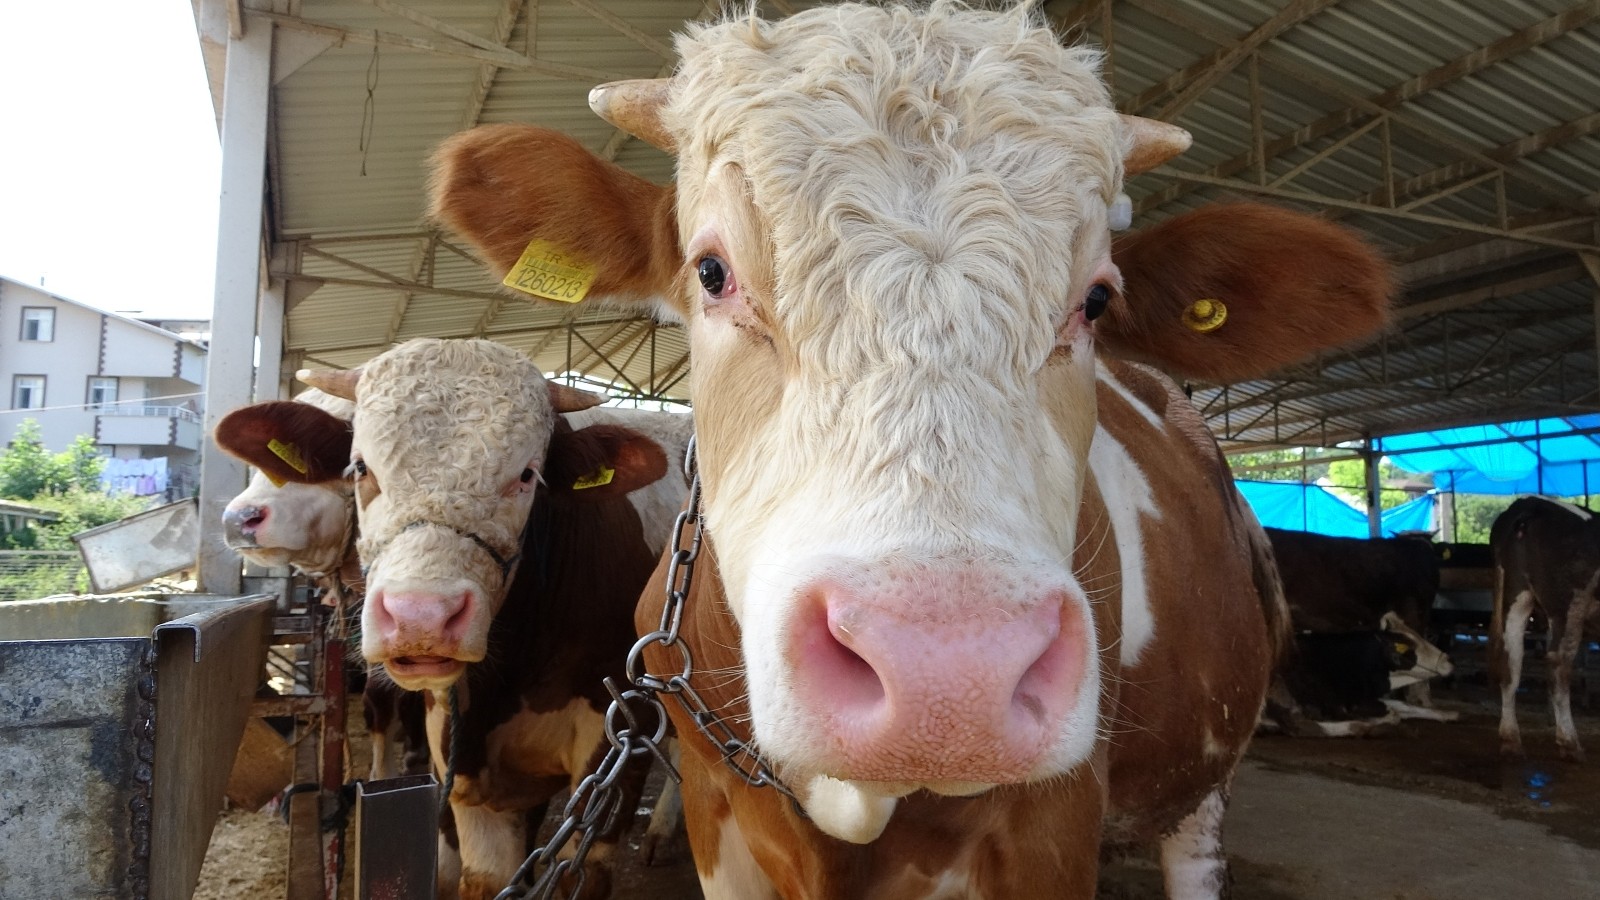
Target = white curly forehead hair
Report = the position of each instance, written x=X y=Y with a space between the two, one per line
x=449 y=399
x=968 y=137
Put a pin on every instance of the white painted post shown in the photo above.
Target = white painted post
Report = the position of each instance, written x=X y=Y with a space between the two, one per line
x=269 y=335
x=229 y=369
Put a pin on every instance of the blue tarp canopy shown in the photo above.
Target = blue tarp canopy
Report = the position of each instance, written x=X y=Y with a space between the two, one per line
x=1310 y=507
x=1537 y=456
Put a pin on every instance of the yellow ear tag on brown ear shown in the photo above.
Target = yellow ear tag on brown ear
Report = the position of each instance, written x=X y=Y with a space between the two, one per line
x=289 y=453
x=545 y=270
x=1206 y=316
x=601 y=477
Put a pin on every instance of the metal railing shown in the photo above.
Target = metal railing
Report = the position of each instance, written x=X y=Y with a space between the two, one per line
x=35 y=574
x=175 y=412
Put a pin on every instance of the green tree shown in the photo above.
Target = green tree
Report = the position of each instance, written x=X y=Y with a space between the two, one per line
x=29 y=471
x=1346 y=477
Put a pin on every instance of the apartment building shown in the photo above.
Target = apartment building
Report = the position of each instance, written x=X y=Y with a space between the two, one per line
x=137 y=389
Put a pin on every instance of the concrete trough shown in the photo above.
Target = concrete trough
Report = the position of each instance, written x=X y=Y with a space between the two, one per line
x=119 y=721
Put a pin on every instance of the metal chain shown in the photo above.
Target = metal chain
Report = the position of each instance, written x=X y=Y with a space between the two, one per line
x=597 y=800
x=144 y=767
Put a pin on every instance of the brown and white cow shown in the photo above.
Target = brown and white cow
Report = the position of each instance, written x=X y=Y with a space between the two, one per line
x=519 y=606
x=311 y=527
x=1546 y=559
x=982 y=592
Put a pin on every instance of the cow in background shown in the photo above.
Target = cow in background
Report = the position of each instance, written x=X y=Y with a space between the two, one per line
x=503 y=561
x=1547 y=560
x=1336 y=584
x=311 y=527
x=1351 y=601
x=889 y=242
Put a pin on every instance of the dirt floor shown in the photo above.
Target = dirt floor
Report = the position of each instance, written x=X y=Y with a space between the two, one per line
x=1426 y=812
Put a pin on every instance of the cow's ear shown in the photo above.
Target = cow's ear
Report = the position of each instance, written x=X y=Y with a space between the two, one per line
x=511 y=190
x=1228 y=293
x=602 y=461
x=288 y=441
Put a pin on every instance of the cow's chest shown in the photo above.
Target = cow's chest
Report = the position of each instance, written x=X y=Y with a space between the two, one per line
x=529 y=756
x=534 y=744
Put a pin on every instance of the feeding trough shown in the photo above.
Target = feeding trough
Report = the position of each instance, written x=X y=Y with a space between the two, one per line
x=119 y=721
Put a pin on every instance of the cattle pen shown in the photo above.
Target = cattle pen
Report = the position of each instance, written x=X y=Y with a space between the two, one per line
x=207 y=742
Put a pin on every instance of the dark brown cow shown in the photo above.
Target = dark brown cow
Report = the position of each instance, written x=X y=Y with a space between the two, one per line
x=1346 y=584
x=1547 y=559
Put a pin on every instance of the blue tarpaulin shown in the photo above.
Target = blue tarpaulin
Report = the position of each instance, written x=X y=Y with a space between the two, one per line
x=1537 y=456
x=1309 y=507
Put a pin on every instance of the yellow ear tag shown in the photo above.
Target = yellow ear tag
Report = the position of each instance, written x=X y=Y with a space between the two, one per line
x=276 y=481
x=1206 y=316
x=289 y=453
x=547 y=271
x=601 y=477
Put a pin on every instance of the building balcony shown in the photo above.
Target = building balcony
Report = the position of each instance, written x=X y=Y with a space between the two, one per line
x=153 y=426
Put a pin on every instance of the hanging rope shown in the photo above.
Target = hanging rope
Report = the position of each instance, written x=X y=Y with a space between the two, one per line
x=369 y=109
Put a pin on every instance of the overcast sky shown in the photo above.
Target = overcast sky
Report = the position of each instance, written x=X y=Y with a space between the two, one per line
x=108 y=154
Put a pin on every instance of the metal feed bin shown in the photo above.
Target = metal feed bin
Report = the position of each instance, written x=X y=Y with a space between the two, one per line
x=119 y=721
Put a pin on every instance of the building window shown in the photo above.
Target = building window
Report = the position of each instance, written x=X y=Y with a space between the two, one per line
x=102 y=392
x=38 y=323
x=27 y=392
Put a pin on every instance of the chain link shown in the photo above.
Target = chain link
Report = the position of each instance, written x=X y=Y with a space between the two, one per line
x=144 y=766
x=595 y=803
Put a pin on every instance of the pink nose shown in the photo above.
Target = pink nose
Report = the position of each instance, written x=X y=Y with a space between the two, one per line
x=934 y=677
x=411 y=623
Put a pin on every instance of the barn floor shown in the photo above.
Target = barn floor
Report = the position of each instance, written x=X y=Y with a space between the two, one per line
x=1428 y=812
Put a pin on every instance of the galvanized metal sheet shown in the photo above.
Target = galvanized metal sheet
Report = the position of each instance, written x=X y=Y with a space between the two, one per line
x=397 y=843
x=134 y=550
x=208 y=665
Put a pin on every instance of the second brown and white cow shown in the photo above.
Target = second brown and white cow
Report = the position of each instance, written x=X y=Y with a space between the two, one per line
x=1546 y=559
x=982 y=593
x=503 y=562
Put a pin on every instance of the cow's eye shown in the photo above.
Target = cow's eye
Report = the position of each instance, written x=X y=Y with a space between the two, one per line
x=715 y=277
x=526 y=476
x=1096 y=301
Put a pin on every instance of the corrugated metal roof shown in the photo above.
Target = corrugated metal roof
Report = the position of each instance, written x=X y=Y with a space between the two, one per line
x=1488 y=112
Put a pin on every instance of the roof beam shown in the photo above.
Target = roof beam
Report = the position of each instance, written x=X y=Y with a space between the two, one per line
x=624 y=28
x=1461 y=67
x=492 y=335
x=504 y=57
x=505 y=22
x=1505 y=155
x=1189 y=83
x=1383 y=211
x=395 y=284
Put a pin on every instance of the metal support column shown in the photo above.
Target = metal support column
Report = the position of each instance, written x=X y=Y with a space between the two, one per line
x=1369 y=466
x=229 y=370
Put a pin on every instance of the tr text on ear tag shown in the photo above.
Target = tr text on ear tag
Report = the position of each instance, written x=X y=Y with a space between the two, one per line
x=602 y=476
x=545 y=270
x=289 y=453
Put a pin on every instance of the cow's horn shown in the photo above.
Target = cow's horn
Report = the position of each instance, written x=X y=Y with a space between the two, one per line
x=334 y=382
x=635 y=107
x=566 y=399
x=1150 y=143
